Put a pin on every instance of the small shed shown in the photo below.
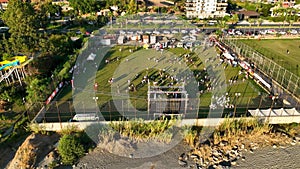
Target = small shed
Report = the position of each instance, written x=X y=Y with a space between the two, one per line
x=121 y=39
x=153 y=39
x=146 y=39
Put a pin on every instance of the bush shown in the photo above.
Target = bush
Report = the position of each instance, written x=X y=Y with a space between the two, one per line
x=70 y=149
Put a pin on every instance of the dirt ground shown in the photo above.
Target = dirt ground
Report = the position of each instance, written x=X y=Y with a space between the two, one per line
x=268 y=157
x=272 y=158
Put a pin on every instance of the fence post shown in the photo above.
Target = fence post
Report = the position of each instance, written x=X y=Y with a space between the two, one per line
x=283 y=77
x=58 y=113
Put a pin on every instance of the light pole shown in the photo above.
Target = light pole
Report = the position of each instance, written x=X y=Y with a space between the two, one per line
x=235 y=101
x=96 y=99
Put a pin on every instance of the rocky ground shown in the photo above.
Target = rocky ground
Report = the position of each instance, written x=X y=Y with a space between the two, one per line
x=268 y=157
x=33 y=150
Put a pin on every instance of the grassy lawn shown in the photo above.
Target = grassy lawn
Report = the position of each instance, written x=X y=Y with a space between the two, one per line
x=250 y=92
x=277 y=51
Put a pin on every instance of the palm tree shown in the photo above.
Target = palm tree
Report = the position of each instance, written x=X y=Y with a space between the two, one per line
x=290 y=24
x=234 y=19
x=250 y=23
x=221 y=23
x=259 y=22
x=110 y=15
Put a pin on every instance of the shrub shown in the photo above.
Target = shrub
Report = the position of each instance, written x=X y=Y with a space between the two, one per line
x=70 y=149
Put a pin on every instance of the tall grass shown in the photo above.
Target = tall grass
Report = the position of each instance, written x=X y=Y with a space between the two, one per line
x=236 y=128
x=140 y=130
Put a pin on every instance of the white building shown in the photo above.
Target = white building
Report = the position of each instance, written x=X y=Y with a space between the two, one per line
x=205 y=8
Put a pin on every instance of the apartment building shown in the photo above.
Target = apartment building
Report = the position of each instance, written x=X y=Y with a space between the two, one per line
x=205 y=8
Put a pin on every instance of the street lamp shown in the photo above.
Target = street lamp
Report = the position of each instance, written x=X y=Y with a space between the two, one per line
x=96 y=99
x=236 y=95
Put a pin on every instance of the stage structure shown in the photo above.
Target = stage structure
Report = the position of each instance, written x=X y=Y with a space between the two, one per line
x=167 y=101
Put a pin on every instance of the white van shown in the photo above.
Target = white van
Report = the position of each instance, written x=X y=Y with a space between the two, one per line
x=85 y=117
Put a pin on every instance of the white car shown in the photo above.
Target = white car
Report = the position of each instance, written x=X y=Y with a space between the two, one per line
x=183 y=31
x=85 y=117
x=174 y=31
x=294 y=32
x=263 y=32
x=156 y=32
x=122 y=32
x=271 y=31
x=238 y=33
x=167 y=32
x=282 y=33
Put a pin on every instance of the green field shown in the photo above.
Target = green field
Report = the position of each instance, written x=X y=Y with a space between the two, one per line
x=276 y=49
x=251 y=96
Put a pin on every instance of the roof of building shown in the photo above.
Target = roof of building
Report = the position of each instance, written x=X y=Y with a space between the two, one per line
x=248 y=13
x=3 y=1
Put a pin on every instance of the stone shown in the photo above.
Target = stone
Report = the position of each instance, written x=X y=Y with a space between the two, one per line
x=182 y=163
x=251 y=150
x=274 y=146
x=233 y=163
x=223 y=143
x=194 y=156
x=243 y=158
x=198 y=166
x=293 y=142
x=182 y=156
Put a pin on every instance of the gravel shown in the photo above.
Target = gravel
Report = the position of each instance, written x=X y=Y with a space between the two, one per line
x=269 y=157
x=261 y=158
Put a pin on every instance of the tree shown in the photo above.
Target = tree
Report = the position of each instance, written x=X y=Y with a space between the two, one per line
x=70 y=149
x=46 y=12
x=22 y=21
x=83 y=6
x=131 y=7
x=37 y=90
x=259 y=22
x=234 y=19
x=110 y=15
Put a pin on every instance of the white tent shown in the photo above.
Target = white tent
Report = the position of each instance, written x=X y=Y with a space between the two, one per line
x=274 y=112
x=92 y=57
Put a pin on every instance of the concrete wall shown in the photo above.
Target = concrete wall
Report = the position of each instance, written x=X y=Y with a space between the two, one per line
x=198 y=122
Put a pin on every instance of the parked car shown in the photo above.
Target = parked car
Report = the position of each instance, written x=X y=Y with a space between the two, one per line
x=238 y=33
x=282 y=33
x=263 y=32
x=294 y=32
x=271 y=31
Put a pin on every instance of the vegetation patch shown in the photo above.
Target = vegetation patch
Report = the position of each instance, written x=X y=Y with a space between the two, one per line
x=234 y=137
x=140 y=130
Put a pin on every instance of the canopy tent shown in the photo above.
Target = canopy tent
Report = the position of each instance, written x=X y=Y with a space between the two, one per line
x=91 y=57
x=274 y=112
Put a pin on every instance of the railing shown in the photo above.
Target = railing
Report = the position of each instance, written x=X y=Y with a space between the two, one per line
x=282 y=76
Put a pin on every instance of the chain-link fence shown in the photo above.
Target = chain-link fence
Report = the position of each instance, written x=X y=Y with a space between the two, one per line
x=63 y=111
x=282 y=76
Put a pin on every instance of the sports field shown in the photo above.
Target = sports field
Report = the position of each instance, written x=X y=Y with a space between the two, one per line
x=285 y=52
x=251 y=95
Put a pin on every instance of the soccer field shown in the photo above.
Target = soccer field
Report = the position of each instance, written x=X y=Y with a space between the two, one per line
x=251 y=95
x=285 y=52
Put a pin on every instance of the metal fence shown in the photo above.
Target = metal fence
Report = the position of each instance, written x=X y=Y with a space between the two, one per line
x=63 y=111
x=282 y=76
